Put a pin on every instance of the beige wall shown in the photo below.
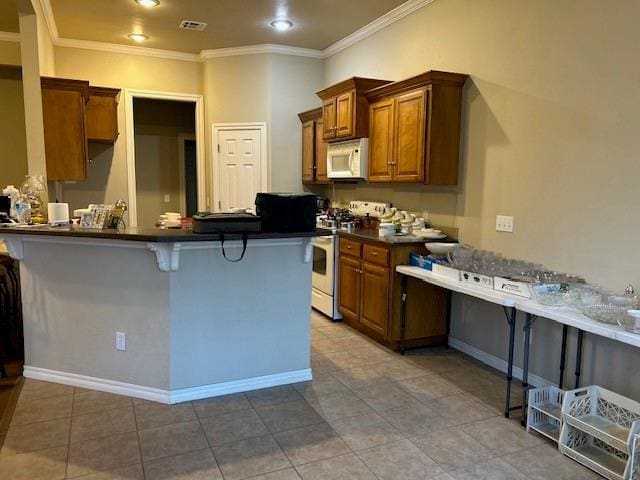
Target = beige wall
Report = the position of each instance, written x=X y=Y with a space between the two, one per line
x=13 y=142
x=551 y=132
x=9 y=53
x=108 y=170
x=550 y=135
x=268 y=88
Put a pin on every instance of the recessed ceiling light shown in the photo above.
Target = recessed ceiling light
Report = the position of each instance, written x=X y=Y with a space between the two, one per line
x=281 y=25
x=148 y=3
x=138 y=37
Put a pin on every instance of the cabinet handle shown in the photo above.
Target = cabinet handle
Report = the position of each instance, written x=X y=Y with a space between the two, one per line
x=391 y=163
x=375 y=254
x=348 y=247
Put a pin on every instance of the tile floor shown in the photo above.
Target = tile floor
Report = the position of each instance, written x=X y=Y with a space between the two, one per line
x=368 y=414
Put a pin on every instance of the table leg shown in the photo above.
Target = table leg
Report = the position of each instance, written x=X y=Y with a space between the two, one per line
x=528 y=324
x=563 y=355
x=403 y=316
x=579 y=358
x=511 y=320
x=449 y=298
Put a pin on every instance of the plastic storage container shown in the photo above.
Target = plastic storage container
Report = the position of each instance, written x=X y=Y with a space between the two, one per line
x=595 y=454
x=544 y=414
x=606 y=415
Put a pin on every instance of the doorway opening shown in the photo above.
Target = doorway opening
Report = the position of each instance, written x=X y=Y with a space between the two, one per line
x=165 y=156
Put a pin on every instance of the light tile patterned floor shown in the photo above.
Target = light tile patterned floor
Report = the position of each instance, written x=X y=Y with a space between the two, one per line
x=368 y=414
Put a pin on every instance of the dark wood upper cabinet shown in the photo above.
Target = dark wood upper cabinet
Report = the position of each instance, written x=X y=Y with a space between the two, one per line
x=64 y=112
x=321 y=154
x=381 y=140
x=329 y=119
x=314 y=148
x=425 y=132
x=102 y=115
x=345 y=111
x=410 y=120
x=73 y=114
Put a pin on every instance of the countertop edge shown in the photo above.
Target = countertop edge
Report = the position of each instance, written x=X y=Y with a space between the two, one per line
x=149 y=235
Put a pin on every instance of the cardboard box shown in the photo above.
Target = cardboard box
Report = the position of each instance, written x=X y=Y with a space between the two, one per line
x=504 y=285
x=445 y=271
x=476 y=279
x=422 y=261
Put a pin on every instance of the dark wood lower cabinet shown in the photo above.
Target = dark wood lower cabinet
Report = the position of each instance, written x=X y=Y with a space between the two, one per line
x=350 y=288
x=374 y=312
x=370 y=295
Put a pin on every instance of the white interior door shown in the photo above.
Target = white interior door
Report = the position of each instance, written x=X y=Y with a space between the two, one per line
x=239 y=168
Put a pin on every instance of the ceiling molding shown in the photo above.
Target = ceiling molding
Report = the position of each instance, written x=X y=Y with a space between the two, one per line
x=127 y=49
x=9 y=37
x=264 y=48
x=378 y=24
x=45 y=6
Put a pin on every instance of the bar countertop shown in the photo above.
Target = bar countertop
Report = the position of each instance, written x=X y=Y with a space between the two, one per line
x=149 y=234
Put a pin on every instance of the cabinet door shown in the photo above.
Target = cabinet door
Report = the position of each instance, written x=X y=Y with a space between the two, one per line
x=410 y=123
x=375 y=297
x=345 y=115
x=308 y=150
x=102 y=115
x=321 y=154
x=350 y=288
x=63 y=114
x=329 y=119
x=381 y=119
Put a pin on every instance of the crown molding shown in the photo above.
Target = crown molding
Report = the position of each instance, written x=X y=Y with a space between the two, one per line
x=378 y=24
x=264 y=48
x=49 y=18
x=9 y=37
x=127 y=49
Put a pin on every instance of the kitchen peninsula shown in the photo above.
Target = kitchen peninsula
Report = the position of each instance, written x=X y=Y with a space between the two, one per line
x=160 y=314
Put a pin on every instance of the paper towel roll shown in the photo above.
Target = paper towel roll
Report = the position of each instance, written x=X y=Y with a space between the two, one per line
x=58 y=214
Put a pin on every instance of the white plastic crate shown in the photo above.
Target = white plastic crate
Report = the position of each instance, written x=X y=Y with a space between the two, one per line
x=544 y=411
x=635 y=458
x=605 y=415
x=593 y=453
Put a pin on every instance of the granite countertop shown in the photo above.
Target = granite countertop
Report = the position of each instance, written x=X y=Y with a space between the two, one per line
x=148 y=234
x=372 y=237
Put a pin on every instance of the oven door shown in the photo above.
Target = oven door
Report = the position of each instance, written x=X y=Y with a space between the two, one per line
x=323 y=264
x=340 y=163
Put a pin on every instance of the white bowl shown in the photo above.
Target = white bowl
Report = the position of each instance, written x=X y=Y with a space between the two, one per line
x=439 y=248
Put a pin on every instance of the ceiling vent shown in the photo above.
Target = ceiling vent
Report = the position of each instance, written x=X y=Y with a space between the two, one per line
x=192 y=25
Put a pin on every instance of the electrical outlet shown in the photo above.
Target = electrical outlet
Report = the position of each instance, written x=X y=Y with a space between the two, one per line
x=504 y=223
x=167 y=198
x=121 y=341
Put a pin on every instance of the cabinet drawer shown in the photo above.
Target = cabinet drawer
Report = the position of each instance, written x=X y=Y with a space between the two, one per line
x=377 y=255
x=350 y=247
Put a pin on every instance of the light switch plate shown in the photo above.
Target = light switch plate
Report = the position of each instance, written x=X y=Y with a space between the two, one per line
x=167 y=198
x=121 y=341
x=504 y=223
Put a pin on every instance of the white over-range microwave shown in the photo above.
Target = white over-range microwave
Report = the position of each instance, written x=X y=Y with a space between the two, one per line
x=348 y=159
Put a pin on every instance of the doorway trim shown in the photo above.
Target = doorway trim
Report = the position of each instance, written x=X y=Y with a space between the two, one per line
x=216 y=128
x=129 y=95
x=182 y=137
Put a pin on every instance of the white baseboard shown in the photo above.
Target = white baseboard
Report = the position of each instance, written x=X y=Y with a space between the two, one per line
x=255 y=383
x=167 y=396
x=496 y=362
